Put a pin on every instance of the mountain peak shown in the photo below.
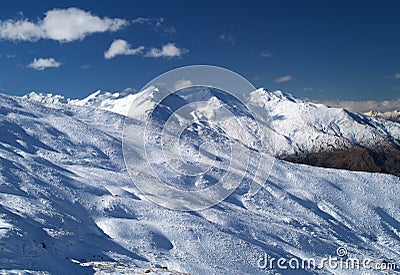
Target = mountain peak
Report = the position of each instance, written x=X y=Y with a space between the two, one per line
x=46 y=98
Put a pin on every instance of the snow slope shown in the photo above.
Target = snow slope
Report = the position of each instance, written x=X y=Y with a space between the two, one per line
x=68 y=205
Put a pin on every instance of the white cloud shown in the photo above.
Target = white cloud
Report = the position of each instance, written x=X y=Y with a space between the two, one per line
x=20 y=30
x=265 y=54
x=282 y=79
x=308 y=89
x=183 y=83
x=397 y=76
x=140 y=20
x=228 y=38
x=63 y=25
x=43 y=63
x=168 y=50
x=121 y=47
x=155 y=24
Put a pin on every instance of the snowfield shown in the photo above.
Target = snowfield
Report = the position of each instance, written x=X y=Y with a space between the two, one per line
x=68 y=205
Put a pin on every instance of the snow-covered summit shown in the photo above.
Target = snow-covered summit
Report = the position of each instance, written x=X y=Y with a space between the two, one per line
x=115 y=102
x=306 y=126
x=46 y=98
x=292 y=129
x=299 y=126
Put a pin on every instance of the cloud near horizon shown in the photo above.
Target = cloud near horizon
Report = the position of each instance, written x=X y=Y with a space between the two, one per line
x=283 y=79
x=40 y=64
x=363 y=106
x=63 y=25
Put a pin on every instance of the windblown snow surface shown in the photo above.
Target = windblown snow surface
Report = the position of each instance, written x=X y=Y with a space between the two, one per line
x=68 y=205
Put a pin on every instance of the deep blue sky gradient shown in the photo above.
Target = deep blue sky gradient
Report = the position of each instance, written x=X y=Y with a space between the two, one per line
x=340 y=49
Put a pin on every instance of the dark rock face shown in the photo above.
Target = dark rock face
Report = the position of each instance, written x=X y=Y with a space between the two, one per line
x=383 y=159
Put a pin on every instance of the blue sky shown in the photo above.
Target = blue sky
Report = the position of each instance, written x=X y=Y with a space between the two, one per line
x=314 y=49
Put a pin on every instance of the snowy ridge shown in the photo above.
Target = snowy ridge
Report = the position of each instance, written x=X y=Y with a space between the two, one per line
x=114 y=102
x=46 y=99
x=300 y=126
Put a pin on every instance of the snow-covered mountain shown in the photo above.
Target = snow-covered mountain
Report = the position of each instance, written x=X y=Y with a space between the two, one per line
x=300 y=126
x=302 y=131
x=333 y=137
x=68 y=205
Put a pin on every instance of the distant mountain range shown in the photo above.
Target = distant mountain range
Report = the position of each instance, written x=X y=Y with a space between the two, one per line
x=389 y=115
x=388 y=109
